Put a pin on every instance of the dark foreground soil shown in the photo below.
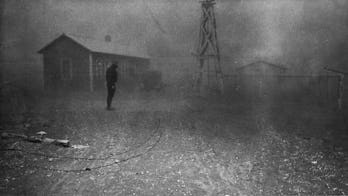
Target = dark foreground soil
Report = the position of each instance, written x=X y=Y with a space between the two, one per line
x=157 y=145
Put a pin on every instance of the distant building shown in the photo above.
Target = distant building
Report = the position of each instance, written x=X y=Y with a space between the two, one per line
x=338 y=69
x=261 y=68
x=341 y=70
x=259 y=78
x=80 y=63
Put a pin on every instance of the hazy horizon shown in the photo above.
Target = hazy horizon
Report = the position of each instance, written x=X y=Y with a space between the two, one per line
x=302 y=34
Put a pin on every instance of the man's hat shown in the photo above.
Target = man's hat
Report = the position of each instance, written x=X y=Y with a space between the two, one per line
x=114 y=64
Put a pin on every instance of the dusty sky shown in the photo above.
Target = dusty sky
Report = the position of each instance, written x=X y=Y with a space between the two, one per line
x=299 y=33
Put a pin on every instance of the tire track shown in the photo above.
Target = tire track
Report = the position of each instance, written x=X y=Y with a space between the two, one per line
x=67 y=175
x=84 y=181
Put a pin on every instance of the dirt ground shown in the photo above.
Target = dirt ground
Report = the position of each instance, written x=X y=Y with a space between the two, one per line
x=154 y=144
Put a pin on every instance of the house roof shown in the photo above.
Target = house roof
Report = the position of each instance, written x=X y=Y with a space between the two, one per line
x=98 y=46
x=341 y=68
x=257 y=63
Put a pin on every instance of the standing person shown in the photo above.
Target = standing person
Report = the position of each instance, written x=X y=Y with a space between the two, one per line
x=111 y=79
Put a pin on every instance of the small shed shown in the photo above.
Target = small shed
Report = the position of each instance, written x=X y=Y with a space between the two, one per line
x=338 y=68
x=259 y=79
x=78 y=63
x=341 y=70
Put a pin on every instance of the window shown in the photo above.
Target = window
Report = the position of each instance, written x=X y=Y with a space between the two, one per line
x=66 y=69
x=107 y=38
x=100 y=68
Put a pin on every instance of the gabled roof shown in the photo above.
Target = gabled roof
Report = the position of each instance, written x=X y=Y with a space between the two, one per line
x=338 y=68
x=93 y=45
x=257 y=63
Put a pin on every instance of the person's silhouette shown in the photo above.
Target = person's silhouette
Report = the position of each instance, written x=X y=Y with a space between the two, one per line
x=111 y=79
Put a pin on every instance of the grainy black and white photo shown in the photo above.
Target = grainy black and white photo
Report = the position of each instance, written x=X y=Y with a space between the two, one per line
x=174 y=97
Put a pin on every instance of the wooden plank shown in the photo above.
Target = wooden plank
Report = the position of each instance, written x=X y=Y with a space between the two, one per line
x=36 y=139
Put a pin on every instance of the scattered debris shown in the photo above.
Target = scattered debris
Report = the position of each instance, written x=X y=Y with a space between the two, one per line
x=41 y=134
x=79 y=146
x=36 y=139
x=27 y=125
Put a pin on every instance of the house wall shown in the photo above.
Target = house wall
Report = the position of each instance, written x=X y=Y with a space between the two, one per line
x=52 y=58
x=129 y=69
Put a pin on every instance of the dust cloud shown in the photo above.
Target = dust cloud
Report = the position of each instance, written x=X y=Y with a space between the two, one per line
x=304 y=35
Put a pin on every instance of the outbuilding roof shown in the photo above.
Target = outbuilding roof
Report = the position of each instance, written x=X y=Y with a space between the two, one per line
x=93 y=45
x=258 y=63
x=341 y=68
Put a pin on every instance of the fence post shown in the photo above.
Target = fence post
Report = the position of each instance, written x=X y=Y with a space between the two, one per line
x=340 y=91
x=327 y=88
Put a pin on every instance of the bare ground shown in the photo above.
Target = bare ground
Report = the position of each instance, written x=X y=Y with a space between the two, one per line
x=159 y=145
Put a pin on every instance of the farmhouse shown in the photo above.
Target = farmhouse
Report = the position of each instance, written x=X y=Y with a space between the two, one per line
x=77 y=63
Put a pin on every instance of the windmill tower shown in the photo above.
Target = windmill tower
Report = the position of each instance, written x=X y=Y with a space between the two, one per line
x=208 y=53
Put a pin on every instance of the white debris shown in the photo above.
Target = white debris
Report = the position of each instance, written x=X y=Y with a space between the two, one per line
x=79 y=146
